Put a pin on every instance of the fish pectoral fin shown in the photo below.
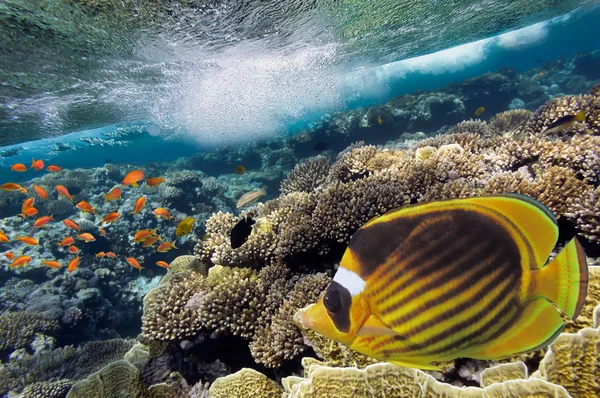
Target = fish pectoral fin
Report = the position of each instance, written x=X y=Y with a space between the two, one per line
x=415 y=365
x=374 y=326
x=538 y=326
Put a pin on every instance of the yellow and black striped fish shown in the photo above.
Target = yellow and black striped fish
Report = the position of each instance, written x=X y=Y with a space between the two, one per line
x=449 y=279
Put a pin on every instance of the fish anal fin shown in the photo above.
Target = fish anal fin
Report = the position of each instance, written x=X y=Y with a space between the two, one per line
x=537 y=327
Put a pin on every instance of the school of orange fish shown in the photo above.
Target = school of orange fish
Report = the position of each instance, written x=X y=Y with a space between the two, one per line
x=146 y=237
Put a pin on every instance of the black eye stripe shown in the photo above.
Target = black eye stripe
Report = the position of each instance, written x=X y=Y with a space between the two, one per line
x=340 y=300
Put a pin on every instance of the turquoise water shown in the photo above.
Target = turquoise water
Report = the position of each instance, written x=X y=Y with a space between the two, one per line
x=280 y=101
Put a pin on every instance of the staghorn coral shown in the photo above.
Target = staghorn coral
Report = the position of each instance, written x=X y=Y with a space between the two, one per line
x=353 y=164
x=166 y=316
x=572 y=362
x=585 y=213
x=580 y=153
x=17 y=329
x=508 y=121
x=118 y=379
x=281 y=339
x=306 y=176
x=476 y=126
x=245 y=383
x=45 y=389
x=560 y=107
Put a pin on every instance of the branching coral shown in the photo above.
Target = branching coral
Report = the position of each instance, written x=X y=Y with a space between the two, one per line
x=508 y=121
x=306 y=176
x=45 y=389
x=585 y=212
x=558 y=108
x=476 y=126
x=281 y=339
x=17 y=329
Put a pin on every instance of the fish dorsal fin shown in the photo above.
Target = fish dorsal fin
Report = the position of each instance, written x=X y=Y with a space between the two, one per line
x=534 y=222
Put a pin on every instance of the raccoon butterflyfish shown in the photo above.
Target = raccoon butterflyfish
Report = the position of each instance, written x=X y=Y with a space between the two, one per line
x=460 y=278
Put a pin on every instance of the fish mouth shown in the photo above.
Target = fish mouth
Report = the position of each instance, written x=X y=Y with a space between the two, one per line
x=302 y=319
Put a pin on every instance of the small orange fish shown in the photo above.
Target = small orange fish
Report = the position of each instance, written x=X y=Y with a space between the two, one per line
x=163 y=264
x=71 y=224
x=3 y=237
x=27 y=204
x=18 y=167
x=86 y=237
x=133 y=177
x=73 y=264
x=37 y=164
x=21 y=261
x=134 y=263
x=150 y=241
x=42 y=221
x=29 y=212
x=100 y=255
x=68 y=241
x=111 y=255
x=114 y=194
x=53 y=169
x=155 y=181
x=12 y=187
x=144 y=234
x=85 y=207
x=102 y=232
x=162 y=212
x=73 y=249
x=139 y=205
x=41 y=192
x=64 y=192
x=9 y=255
x=165 y=247
x=110 y=217
x=28 y=240
x=51 y=264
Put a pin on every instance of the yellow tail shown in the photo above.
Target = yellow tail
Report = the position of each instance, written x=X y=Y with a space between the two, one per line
x=564 y=280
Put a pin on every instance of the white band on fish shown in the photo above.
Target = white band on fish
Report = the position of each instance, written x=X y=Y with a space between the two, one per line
x=350 y=280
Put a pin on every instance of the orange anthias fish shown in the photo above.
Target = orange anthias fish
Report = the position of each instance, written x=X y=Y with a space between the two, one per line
x=53 y=168
x=9 y=255
x=64 y=192
x=100 y=255
x=18 y=167
x=41 y=192
x=163 y=264
x=134 y=263
x=42 y=221
x=12 y=187
x=166 y=246
x=162 y=212
x=71 y=224
x=21 y=261
x=102 y=232
x=29 y=212
x=251 y=197
x=144 y=234
x=133 y=177
x=110 y=217
x=73 y=264
x=114 y=194
x=68 y=241
x=85 y=207
x=139 y=205
x=86 y=237
x=3 y=237
x=28 y=240
x=111 y=255
x=51 y=264
x=27 y=204
x=73 y=249
x=155 y=181
x=453 y=278
x=37 y=164
x=150 y=241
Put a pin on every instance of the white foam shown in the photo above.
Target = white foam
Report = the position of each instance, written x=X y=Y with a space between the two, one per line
x=524 y=37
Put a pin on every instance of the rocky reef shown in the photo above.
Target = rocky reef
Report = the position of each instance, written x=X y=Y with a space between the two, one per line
x=219 y=321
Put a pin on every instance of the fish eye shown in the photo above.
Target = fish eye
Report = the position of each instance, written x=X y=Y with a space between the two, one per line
x=332 y=300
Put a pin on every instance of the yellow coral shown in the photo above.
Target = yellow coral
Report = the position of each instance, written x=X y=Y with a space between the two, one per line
x=503 y=372
x=574 y=363
x=245 y=383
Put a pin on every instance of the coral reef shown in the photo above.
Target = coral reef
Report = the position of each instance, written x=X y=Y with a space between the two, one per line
x=306 y=176
x=245 y=383
x=45 y=389
x=17 y=329
x=118 y=379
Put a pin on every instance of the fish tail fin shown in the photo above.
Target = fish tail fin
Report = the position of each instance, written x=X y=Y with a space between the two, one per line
x=564 y=280
x=105 y=198
x=173 y=245
x=135 y=184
